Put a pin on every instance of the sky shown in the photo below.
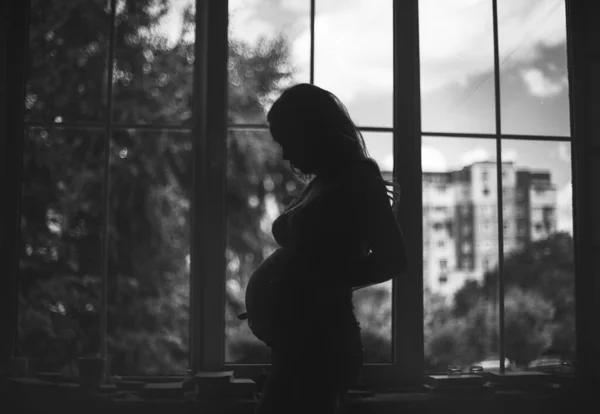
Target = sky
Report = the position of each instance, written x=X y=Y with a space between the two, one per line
x=354 y=60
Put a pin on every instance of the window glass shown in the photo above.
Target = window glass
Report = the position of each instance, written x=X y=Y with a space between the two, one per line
x=461 y=318
x=68 y=46
x=538 y=259
x=269 y=49
x=534 y=86
x=456 y=66
x=154 y=62
x=354 y=57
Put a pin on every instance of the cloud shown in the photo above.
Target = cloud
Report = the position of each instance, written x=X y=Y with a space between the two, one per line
x=354 y=43
x=509 y=155
x=353 y=49
x=387 y=164
x=564 y=216
x=541 y=85
x=475 y=155
x=479 y=154
x=456 y=38
x=432 y=160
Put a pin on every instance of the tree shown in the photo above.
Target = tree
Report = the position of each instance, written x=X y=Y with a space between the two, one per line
x=539 y=309
x=149 y=189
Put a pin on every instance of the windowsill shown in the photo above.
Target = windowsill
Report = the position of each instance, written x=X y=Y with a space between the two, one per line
x=33 y=395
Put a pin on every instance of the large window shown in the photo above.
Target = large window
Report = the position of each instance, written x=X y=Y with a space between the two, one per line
x=495 y=115
x=147 y=202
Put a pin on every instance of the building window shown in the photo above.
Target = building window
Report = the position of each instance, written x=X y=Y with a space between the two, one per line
x=466 y=247
x=440 y=243
x=443 y=264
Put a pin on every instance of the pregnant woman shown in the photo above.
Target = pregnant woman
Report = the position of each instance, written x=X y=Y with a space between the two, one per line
x=339 y=235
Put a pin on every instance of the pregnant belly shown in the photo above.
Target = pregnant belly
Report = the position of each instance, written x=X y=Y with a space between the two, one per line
x=264 y=292
x=280 y=289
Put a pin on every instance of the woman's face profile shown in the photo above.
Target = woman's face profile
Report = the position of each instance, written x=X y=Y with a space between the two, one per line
x=293 y=145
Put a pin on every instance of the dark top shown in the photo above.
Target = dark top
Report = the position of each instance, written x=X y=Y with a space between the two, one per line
x=329 y=231
x=323 y=235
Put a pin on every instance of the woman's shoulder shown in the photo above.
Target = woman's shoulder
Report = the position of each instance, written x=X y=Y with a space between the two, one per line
x=364 y=174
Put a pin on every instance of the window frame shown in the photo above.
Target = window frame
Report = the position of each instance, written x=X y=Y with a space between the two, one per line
x=208 y=261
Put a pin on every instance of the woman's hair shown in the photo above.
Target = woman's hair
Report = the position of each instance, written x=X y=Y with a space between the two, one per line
x=326 y=125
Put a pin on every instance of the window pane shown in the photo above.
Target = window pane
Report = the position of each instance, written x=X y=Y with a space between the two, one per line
x=460 y=247
x=533 y=67
x=154 y=56
x=354 y=57
x=60 y=242
x=259 y=185
x=148 y=290
x=457 y=66
x=538 y=256
x=269 y=48
x=68 y=43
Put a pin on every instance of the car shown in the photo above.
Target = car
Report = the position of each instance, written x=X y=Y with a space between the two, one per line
x=492 y=364
x=550 y=364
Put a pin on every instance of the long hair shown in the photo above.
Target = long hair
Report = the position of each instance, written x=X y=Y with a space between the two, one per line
x=327 y=125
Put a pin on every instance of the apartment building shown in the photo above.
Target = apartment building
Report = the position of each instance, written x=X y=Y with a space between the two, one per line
x=460 y=219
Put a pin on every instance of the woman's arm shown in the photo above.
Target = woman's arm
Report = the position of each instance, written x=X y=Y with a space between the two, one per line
x=388 y=258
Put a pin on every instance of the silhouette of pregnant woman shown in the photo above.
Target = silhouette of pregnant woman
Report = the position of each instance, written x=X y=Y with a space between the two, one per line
x=339 y=235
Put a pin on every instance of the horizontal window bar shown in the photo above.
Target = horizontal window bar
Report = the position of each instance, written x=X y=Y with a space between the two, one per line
x=98 y=125
x=265 y=127
x=502 y=136
x=262 y=127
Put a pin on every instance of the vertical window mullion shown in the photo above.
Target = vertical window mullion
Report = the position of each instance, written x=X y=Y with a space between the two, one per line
x=15 y=23
x=587 y=292
x=312 y=42
x=106 y=201
x=198 y=184
x=208 y=206
x=500 y=292
x=407 y=292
